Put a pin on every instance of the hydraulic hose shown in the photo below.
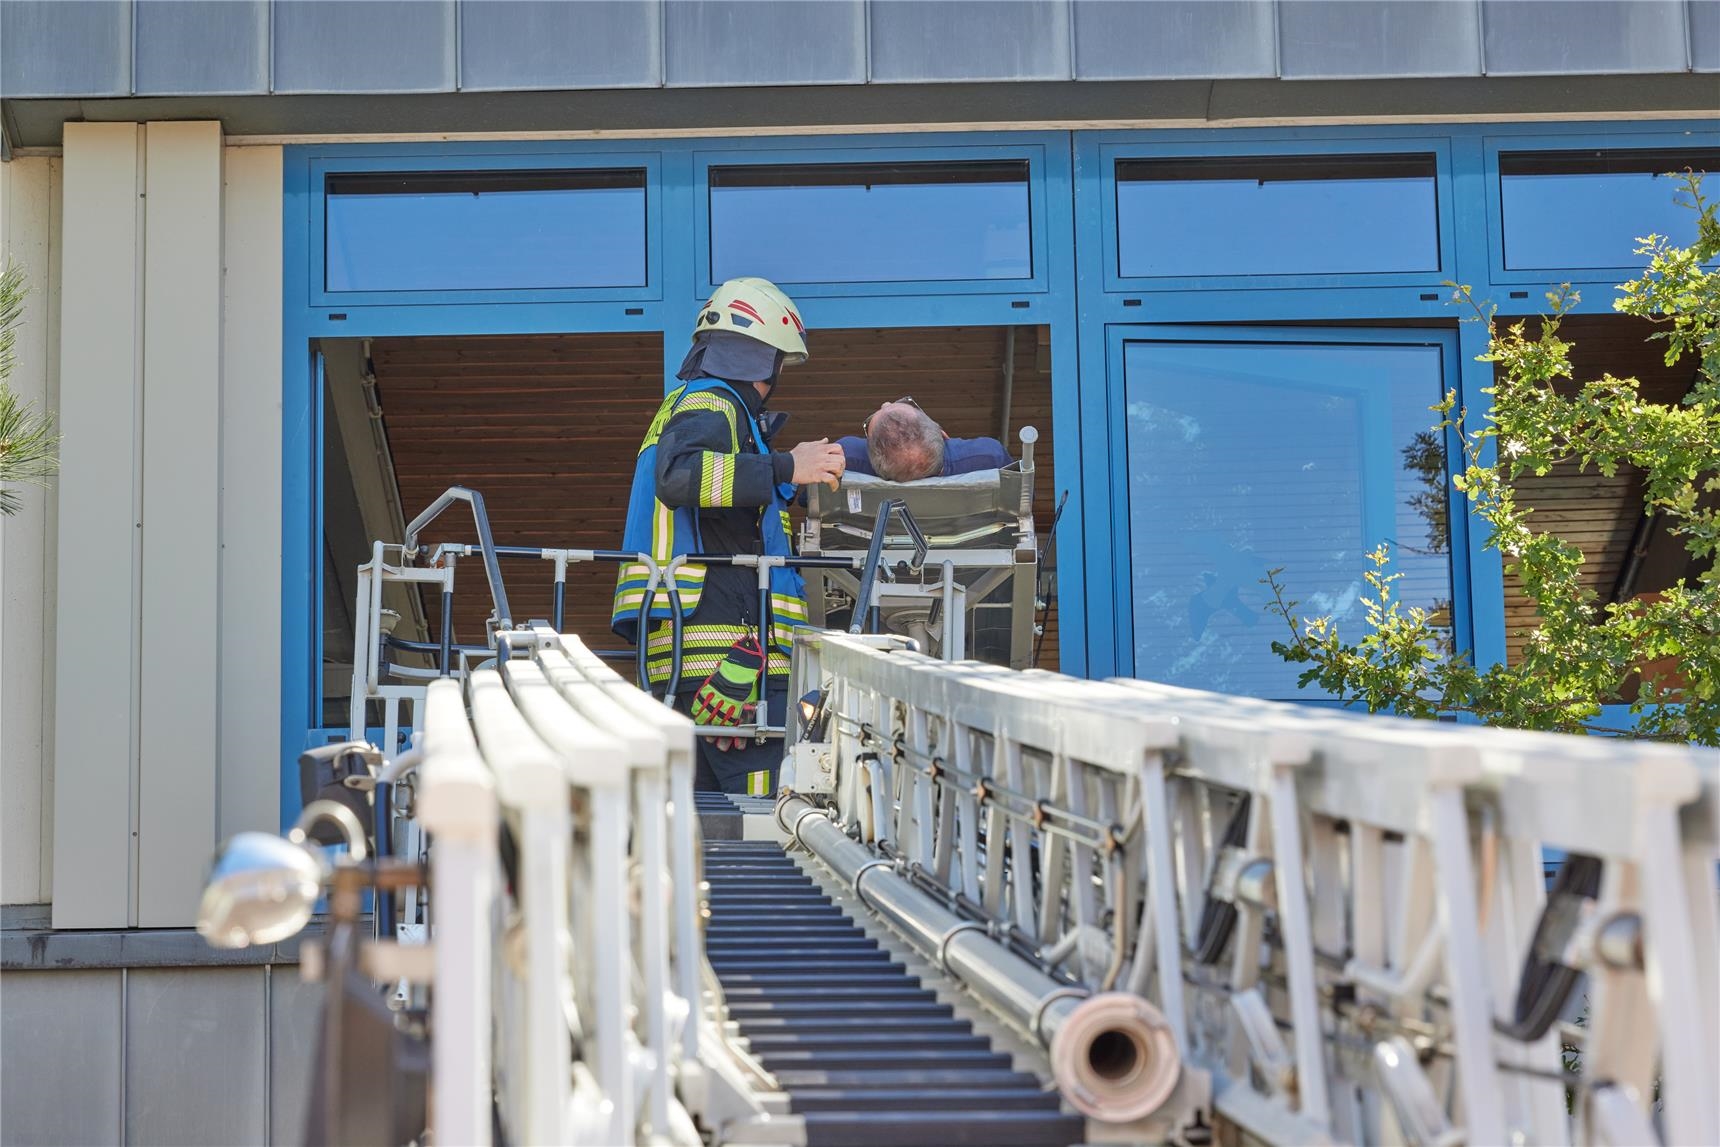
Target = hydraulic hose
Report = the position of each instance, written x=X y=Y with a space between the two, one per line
x=1113 y=1055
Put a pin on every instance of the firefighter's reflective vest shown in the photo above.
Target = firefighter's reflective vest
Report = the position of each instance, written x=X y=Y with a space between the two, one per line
x=667 y=532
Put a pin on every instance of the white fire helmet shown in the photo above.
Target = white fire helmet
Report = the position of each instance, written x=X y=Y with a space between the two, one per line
x=757 y=309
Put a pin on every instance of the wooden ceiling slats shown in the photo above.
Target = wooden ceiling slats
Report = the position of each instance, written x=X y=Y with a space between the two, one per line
x=1595 y=511
x=547 y=428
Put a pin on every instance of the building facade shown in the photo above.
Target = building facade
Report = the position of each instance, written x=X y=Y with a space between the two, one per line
x=295 y=267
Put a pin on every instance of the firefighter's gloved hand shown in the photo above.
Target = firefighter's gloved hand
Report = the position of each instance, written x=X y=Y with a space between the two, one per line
x=749 y=714
x=731 y=688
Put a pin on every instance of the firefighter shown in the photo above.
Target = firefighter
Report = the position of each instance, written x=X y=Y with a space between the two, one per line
x=707 y=480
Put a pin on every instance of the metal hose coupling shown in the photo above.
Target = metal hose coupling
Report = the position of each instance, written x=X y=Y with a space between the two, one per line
x=1115 y=1058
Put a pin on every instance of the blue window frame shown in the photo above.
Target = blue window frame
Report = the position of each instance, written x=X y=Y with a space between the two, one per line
x=1240 y=451
x=1571 y=209
x=485 y=230
x=876 y=220
x=390 y=227
x=1261 y=213
x=1223 y=216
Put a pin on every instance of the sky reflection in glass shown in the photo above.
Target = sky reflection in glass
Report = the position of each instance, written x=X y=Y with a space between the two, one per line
x=478 y=231
x=1276 y=215
x=874 y=223
x=1246 y=457
x=1589 y=209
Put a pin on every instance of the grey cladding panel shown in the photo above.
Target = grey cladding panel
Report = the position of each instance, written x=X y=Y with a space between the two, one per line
x=54 y=48
x=764 y=42
x=295 y=1012
x=1173 y=39
x=192 y=47
x=1347 y=39
x=512 y=45
x=968 y=40
x=59 y=1042
x=373 y=46
x=1578 y=37
x=196 y=1062
x=1705 y=37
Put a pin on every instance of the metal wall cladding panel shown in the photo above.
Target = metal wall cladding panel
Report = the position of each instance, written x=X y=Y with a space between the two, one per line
x=60 y=1046
x=1173 y=39
x=969 y=40
x=516 y=45
x=191 y=47
x=1348 y=39
x=364 y=46
x=1582 y=37
x=295 y=1012
x=196 y=1056
x=1704 y=35
x=755 y=43
x=55 y=48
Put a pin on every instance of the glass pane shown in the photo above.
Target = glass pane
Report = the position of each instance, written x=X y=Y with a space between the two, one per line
x=484 y=231
x=871 y=223
x=1276 y=215
x=1246 y=457
x=1588 y=208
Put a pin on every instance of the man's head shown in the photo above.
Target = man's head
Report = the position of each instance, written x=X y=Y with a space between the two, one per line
x=904 y=444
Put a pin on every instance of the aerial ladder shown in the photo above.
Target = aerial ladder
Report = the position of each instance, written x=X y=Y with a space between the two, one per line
x=987 y=905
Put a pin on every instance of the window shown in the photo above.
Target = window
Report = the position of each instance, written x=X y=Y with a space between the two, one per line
x=1245 y=457
x=1587 y=209
x=1276 y=215
x=872 y=223
x=485 y=230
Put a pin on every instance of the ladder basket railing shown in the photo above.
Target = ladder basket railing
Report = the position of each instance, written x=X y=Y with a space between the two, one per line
x=1339 y=920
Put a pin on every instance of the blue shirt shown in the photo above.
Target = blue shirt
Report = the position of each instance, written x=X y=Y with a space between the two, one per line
x=961 y=455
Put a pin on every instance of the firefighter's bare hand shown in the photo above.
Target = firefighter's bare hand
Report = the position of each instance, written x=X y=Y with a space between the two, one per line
x=820 y=461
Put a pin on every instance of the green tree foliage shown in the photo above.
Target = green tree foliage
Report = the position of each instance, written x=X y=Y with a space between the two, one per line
x=1661 y=656
x=28 y=444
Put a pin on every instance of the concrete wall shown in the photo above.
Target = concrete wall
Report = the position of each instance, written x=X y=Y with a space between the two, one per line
x=141 y=595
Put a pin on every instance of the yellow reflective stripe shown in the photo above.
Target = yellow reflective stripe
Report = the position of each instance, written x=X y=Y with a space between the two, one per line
x=706 y=401
x=661 y=419
x=716 y=479
x=662 y=533
x=758 y=783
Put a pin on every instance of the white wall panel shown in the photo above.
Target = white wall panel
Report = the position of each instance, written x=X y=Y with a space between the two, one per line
x=1341 y=39
x=177 y=789
x=732 y=43
x=250 y=557
x=1704 y=24
x=1173 y=39
x=193 y=47
x=196 y=1056
x=513 y=45
x=35 y=35
x=29 y=239
x=368 y=46
x=1582 y=37
x=60 y=1044
x=295 y=1014
x=967 y=40
x=100 y=538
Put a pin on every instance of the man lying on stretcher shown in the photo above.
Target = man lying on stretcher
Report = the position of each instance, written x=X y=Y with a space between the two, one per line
x=903 y=444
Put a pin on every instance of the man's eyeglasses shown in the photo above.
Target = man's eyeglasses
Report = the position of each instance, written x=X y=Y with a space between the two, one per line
x=866 y=426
